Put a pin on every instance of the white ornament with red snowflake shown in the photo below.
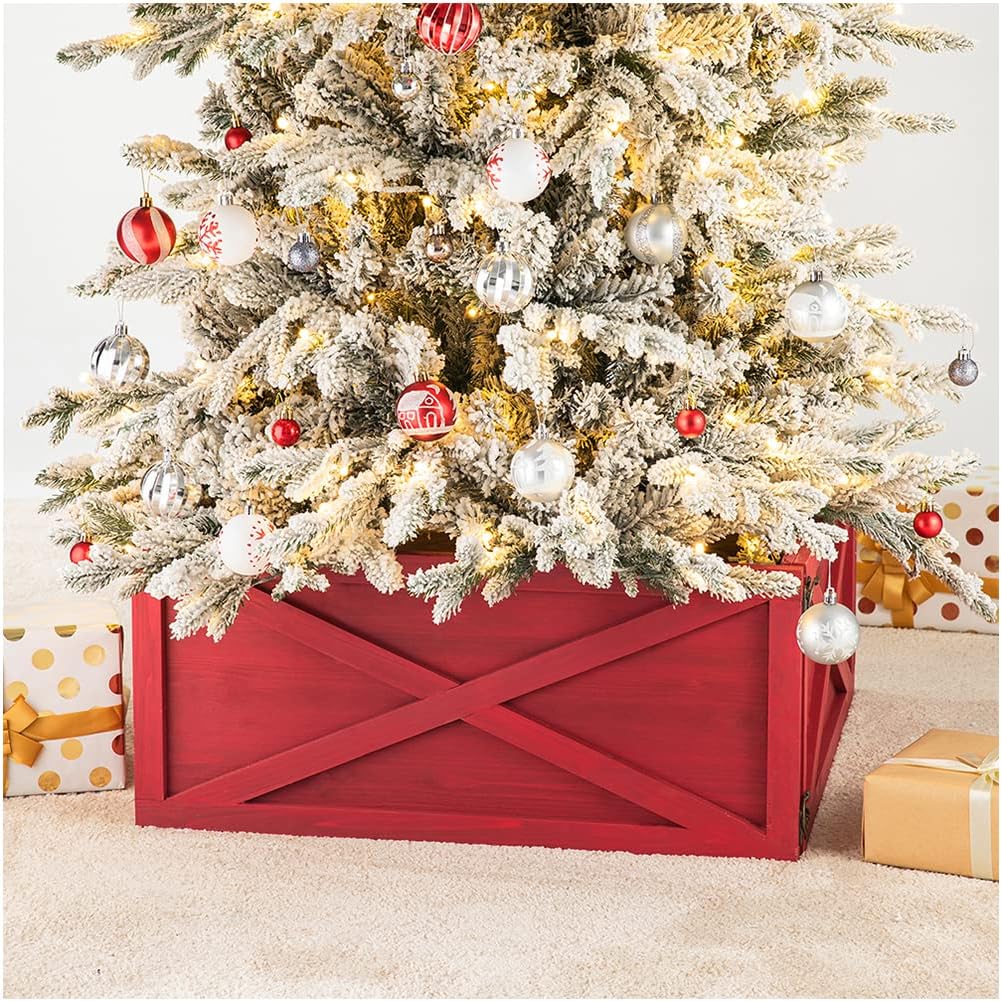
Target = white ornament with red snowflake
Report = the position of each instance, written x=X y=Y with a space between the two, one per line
x=227 y=232
x=240 y=543
x=518 y=169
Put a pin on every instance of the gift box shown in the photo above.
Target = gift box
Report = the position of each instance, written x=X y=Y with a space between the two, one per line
x=63 y=721
x=935 y=806
x=887 y=596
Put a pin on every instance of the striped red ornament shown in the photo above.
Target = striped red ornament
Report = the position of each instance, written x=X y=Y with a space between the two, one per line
x=146 y=234
x=449 y=27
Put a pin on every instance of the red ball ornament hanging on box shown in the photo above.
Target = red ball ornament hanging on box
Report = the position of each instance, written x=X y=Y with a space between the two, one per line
x=285 y=431
x=146 y=234
x=690 y=423
x=449 y=27
x=927 y=522
x=426 y=410
x=80 y=553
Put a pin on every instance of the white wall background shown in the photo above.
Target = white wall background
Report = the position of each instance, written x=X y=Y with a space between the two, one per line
x=66 y=187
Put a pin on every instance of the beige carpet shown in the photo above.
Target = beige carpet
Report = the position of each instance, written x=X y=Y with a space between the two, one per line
x=95 y=907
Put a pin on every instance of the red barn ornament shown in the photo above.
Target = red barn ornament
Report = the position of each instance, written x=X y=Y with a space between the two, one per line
x=449 y=27
x=426 y=410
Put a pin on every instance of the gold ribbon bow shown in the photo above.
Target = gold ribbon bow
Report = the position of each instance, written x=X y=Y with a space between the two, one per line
x=24 y=730
x=887 y=582
x=985 y=774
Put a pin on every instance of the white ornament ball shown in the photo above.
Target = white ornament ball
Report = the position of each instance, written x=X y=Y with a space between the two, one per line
x=816 y=310
x=542 y=470
x=518 y=169
x=504 y=282
x=828 y=633
x=240 y=543
x=654 y=234
x=227 y=233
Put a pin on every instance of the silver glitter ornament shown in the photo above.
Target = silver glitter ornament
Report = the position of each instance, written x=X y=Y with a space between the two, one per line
x=963 y=370
x=542 y=470
x=816 y=310
x=504 y=282
x=828 y=633
x=439 y=245
x=163 y=487
x=119 y=360
x=406 y=85
x=304 y=255
x=654 y=234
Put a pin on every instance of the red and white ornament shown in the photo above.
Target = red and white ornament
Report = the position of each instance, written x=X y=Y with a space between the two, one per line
x=927 y=523
x=690 y=423
x=240 y=542
x=237 y=135
x=518 y=169
x=80 y=553
x=285 y=431
x=146 y=234
x=227 y=233
x=426 y=410
x=449 y=27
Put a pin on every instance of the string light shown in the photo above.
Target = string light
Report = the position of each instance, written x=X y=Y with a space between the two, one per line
x=699 y=548
x=680 y=52
x=487 y=538
x=326 y=509
x=370 y=297
x=736 y=140
x=427 y=201
x=773 y=444
x=811 y=100
x=704 y=163
x=843 y=480
x=351 y=178
x=861 y=247
x=731 y=418
x=472 y=311
x=282 y=123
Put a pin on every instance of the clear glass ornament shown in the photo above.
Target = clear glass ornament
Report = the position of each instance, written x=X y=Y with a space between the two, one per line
x=816 y=310
x=504 y=282
x=439 y=245
x=828 y=632
x=542 y=469
x=654 y=234
x=406 y=85
x=119 y=360
x=963 y=370
x=163 y=487
x=304 y=254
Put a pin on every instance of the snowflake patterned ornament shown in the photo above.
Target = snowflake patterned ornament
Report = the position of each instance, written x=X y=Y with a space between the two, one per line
x=227 y=232
x=828 y=632
x=240 y=543
x=518 y=169
x=426 y=410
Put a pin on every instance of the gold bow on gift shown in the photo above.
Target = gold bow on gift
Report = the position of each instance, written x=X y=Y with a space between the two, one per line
x=887 y=582
x=24 y=730
x=985 y=774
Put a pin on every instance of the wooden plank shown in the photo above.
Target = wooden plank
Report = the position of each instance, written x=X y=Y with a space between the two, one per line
x=149 y=636
x=444 y=706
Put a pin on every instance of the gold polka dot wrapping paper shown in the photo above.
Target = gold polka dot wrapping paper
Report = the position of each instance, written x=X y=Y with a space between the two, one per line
x=63 y=710
x=970 y=516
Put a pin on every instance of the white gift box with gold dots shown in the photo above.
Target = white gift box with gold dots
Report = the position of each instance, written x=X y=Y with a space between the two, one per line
x=63 y=709
x=970 y=516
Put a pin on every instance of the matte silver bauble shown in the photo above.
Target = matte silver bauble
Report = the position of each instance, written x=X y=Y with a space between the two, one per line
x=816 y=310
x=504 y=282
x=654 y=234
x=304 y=254
x=964 y=370
x=542 y=470
x=119 y=360
x=439 y=245
x=406 y=85
x=163 y=488
x=828 y=633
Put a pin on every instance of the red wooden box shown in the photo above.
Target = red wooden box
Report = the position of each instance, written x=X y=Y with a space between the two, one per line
x=565 y=716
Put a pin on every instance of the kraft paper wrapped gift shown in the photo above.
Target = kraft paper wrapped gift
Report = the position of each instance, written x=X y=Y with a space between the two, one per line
x=63 y=714
x=935 y=806
x=889 y=597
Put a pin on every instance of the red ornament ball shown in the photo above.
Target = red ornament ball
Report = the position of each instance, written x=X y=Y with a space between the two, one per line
x=928 y=524
x=237 y=136
x=146 y=234
x=449 y=27
x=286 y=431
x=426 y=410
x=690 y=423
x=80 y=553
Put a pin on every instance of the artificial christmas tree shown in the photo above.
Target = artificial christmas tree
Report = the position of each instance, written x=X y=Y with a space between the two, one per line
x=633 y=204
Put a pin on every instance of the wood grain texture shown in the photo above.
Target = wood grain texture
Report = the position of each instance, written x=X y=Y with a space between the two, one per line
x=565 y=716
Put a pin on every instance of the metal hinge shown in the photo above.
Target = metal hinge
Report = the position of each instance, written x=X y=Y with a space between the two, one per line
x=804 y=818
x=808 y=587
